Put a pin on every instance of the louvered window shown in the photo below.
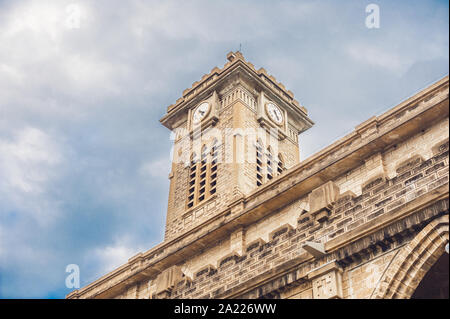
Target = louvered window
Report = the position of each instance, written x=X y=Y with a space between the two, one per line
x=203 y=174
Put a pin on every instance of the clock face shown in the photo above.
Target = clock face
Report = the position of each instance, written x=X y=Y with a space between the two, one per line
x=200 y=112
x=274 y=113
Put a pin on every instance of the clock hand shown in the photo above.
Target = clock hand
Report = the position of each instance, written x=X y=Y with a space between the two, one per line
x=276 y=115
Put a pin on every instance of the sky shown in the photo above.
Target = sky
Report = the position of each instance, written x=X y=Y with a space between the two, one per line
x=84 y=161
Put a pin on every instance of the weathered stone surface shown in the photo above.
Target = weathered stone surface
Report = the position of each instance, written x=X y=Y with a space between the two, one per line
x=327 y=282
x=166 y=280
x=323 y=197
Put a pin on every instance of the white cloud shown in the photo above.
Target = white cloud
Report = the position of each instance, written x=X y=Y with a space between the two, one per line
x=86 y=74
x=158 y=168
x=380 y=57
x=28 y=163
x=45 y=17
x=40 y=51
x=115 y=255
x=218 y=21
x=28 y=160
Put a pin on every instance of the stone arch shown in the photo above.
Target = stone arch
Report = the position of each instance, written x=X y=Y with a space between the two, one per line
x=413 y=261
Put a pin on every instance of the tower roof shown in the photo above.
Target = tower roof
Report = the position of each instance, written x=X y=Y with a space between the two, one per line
x=235 y=59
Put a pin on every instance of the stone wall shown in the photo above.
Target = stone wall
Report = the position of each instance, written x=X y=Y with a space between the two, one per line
x=420 y=165
x=415 y=176
x=380 y=197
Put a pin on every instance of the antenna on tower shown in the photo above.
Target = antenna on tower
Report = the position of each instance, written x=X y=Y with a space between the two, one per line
x=240 y=47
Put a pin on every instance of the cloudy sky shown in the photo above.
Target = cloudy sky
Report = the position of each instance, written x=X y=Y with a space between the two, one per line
x=83 y=84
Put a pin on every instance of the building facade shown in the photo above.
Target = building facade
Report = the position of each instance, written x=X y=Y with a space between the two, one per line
x=366 y=217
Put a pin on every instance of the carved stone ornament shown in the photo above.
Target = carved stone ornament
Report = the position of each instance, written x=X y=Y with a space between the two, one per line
x=322 y=199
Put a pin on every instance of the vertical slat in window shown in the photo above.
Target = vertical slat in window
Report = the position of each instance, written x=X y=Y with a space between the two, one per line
x=280 y=164
x=259 y=163
x=203 y=173
x=213 y=168
x=269 y=164
x=192 y=181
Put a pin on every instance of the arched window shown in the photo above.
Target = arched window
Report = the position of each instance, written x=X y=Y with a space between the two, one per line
x=203 y=174
x=268 y=165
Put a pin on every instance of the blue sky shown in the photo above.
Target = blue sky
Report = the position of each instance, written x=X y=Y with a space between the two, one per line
x=83 y=158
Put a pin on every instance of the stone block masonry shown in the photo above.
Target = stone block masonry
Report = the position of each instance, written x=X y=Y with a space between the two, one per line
x=375 y=205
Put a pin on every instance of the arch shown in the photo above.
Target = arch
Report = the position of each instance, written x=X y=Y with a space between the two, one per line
x=414 y=260
x=435 y=284
x=214 y=149
x=259 y=144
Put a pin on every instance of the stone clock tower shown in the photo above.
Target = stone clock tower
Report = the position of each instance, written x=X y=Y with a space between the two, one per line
x=234 y=130
x=366 y=217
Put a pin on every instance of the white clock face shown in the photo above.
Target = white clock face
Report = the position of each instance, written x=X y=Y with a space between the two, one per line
x=200 y=112
x=274 y=113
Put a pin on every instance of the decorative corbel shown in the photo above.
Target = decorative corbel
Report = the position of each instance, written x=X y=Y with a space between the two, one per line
x=321 y=201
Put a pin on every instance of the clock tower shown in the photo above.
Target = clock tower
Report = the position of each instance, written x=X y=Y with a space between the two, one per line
x=233 y=131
